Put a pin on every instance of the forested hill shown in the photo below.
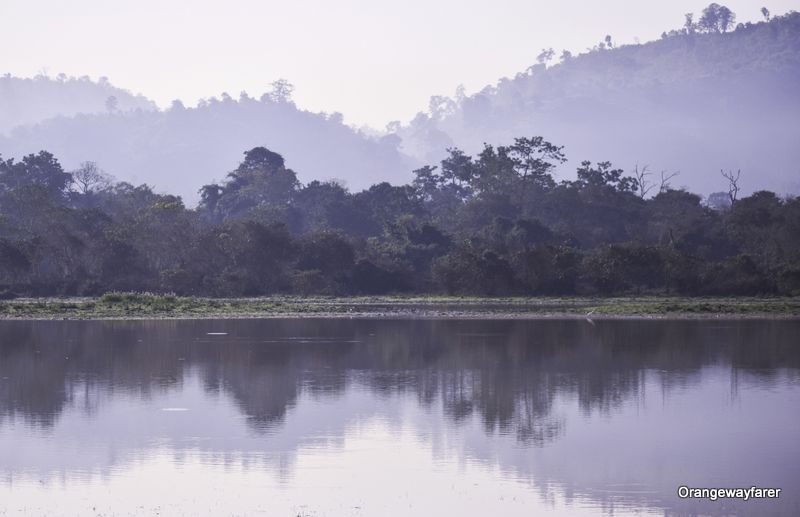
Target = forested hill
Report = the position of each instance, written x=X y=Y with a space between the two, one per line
x=26 y=101
x=179 y=149
x=696 y=101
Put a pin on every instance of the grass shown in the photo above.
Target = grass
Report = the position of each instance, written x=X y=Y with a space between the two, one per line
x=123 y=305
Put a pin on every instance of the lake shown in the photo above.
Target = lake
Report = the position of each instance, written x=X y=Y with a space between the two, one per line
x=382 y=417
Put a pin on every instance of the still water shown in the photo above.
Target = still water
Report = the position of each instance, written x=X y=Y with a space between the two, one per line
x=397 y=417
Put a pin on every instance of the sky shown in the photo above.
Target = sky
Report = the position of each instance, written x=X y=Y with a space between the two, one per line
x=374 y=61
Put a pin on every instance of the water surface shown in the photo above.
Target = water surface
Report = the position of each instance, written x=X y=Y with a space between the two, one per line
x=397 y=417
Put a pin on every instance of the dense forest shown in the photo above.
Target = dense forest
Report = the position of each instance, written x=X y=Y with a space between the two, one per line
x=496 y=223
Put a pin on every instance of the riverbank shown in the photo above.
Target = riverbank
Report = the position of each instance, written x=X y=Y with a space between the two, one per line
x=139 y=306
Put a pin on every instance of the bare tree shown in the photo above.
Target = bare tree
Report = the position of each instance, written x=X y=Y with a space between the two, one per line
x=643 y=184
x=90 y=178
x=733 y=183
x=665 y=177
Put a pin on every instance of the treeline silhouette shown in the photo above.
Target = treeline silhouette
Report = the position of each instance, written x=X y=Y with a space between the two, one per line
x=497 y=223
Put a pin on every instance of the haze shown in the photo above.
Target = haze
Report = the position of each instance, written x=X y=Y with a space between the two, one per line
x=372 y=61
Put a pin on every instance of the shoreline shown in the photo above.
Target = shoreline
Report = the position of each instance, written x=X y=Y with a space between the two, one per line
x=138 y=306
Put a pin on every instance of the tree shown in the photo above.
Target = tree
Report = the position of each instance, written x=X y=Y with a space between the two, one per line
x=689 y=25
x=315 y=203
x=733 y=184
x=89 y=178
x=426 y=181
x=623 y=268
x=260 y=159
x=281 y=91
x=545 y=56
x=210 y=196
x=709 y=19
x=716 y=18
x=603 y=175
x=534 y=159
x=440 y=106
x=260 y=186
x=666 y=177
x=331 y=255
x=727 y=19
x=111 y=104
x=495 y=172
x=13 y=262
x=457 y=171
x=643 y=184
x=494 y=224
x=471 y=271
x=40 y=170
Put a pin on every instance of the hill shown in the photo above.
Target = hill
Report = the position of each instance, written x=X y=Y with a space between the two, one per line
x=694 y=102
x=180 y=149
x=26 y=101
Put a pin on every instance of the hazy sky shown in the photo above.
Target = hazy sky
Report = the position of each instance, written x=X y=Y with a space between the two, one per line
x=372 y=60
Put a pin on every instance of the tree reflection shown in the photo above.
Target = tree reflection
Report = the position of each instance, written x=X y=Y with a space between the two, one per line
x=507 y=372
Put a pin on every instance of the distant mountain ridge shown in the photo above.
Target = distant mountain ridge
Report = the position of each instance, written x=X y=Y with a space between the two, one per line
x=26 y=101
x=180 y=149
x=690 y=102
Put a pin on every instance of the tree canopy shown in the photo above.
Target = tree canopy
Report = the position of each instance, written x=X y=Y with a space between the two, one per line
x=495 y=223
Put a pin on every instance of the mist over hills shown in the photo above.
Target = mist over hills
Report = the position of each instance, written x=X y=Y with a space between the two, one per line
x=691 y=102
x=496 y=222
x=26 y=101
x=180 y=149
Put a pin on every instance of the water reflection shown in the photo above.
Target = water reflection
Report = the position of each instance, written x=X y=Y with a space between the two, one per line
x=600 y=417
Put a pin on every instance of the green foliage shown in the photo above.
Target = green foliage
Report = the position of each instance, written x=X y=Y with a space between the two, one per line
x=35 y=171
x=603 y=176
x=466 y=271
x=624 y=268
x=495 y=224
x=259 y=188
